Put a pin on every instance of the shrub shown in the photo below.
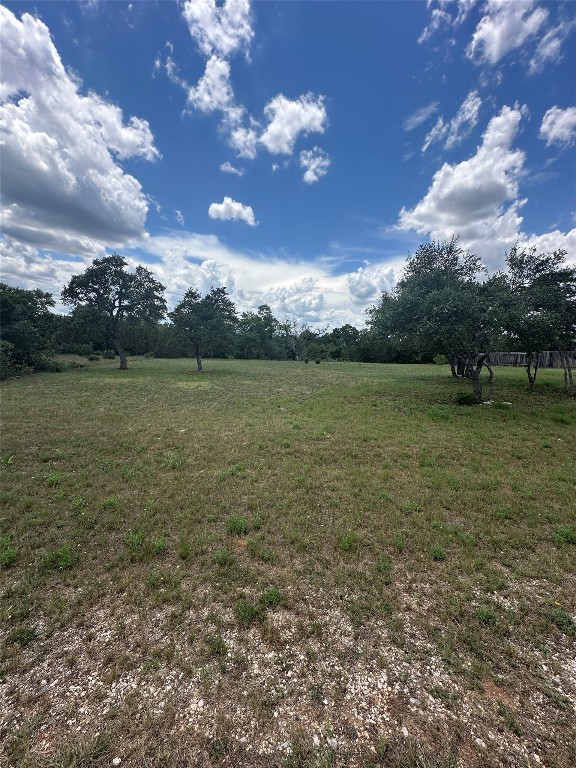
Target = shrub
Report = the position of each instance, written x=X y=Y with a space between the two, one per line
x=466 y=398
x=441 y=360
x=108 y=354
x=93 y=358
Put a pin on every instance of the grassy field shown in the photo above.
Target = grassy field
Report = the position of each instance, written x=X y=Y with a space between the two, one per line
x=280 y=564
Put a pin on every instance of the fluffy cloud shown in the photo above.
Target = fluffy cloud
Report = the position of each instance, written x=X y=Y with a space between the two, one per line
x=222 y=30
x=368 y=283
x=227 y=167
x=213 y=91
x=230 y=210
x=469 y=198
x=478 y=198
x=287 y=119
x=316 y=162
x=459 y=127
x=61 y=184
x=559 y=126
x=507 y=25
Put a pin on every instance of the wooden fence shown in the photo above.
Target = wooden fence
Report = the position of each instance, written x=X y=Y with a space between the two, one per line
x=545 y=359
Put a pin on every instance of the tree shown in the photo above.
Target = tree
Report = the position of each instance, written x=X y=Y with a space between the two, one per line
x=256 y=334
x=206 y=322
x=116 y=294
x=542 y=307
x=440 y=306
x=26 y=328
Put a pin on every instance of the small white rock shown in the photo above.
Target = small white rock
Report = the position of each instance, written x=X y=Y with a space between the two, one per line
x=116 y=761
x=404 y=731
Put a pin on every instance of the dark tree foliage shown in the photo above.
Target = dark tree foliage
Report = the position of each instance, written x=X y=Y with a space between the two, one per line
x=207 y=323
x=26 y=329
x=541 y=307
x=117 y=295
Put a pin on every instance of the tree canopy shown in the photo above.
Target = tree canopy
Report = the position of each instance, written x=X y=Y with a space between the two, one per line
x=116 y=295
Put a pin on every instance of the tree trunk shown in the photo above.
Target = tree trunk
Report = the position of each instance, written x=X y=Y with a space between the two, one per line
x=490 y=382
x=452 y=360
x=473 y=370
x=198 y=359
x=121 y=354
x=568 y=381
x=531 y=362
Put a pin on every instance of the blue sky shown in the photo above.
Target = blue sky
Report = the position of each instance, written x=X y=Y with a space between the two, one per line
x=295 y=152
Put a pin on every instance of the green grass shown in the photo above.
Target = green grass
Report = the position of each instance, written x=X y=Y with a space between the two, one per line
x=366 y=492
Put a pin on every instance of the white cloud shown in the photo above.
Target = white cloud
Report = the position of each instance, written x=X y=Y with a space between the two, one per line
x=459 y=127
x=442 y=17
x=221 y=29
x=316 y=162
x=227 y=167
x=61 y=185
x=179 y=218
x=367 y=283
x=507 y=25
x=213 y=91
x=559 y=126
x=469 y=198
x=420 y=116
x=478 y=199
x=230 y=210
x=287 y=119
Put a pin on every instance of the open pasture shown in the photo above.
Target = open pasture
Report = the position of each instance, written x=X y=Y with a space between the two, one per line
x=280 y=564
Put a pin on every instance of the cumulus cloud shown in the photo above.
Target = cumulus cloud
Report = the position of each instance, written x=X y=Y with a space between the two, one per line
x=316 y=162
x=459 y=127
x=420 y=116
x=230 y=210
x=368 y=283
x=470 y=198
x=287 y=119
x=559 y=126
x=506 y=26
x=222 y=30
x=61 y=184
x=227 y=167
x=213 y=91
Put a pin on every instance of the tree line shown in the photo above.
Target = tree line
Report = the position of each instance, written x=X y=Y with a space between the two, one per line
x=445 y=304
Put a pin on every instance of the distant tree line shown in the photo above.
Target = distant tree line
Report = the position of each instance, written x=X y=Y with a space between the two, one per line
x=446 y=304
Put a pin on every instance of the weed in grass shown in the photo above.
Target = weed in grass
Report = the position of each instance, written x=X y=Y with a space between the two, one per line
x=437 y=554
x=58 y=559
x=348 y=541
x=565 y=535
x=223 y=557
x=184 y=548
x=109 y=503
x=487 y=616
x=237 y=525
x=384 y=569
x=7 y=459
x=53 y=479
x=8 y=553
x=247 y=612
x=152 y=664
x=563 y=620
x=141 y=548
x=509 y=719
x=216 y=646
x=271 y=598
x=21 y=636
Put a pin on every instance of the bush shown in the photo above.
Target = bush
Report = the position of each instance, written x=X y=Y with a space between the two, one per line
x=466 y=398
x=7 y=365
x=108 y=354
x=93 y=358
x=441 y=360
